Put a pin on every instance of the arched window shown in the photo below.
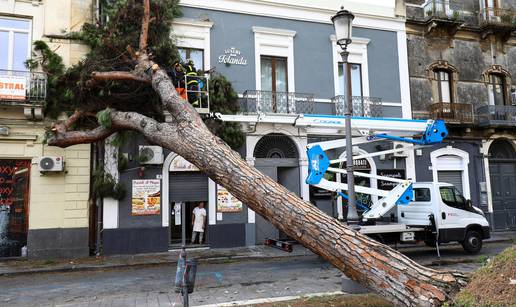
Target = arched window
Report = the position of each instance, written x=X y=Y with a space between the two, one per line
x=443 y=78
x=497 y=89
x=275 y=146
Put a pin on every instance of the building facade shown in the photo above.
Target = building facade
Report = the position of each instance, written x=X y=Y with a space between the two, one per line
x=462 y=59
x=44 y=213
x=282 y=59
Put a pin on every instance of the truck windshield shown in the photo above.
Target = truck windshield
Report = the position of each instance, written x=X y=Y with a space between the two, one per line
x=452 y=197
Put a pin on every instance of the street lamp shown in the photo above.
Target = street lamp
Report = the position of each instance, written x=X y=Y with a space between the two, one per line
x=343 y=24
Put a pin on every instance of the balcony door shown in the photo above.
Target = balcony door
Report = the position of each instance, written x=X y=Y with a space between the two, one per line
x=496 y=90
x=14 y=43
x=443 y=79
x=274 y=84
x=356 y=79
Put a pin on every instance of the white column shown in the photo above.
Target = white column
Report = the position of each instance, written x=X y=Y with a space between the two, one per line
x=251 y=215
x=212 y=202
x=110 y=205
x=303 y=170
x=485 y=154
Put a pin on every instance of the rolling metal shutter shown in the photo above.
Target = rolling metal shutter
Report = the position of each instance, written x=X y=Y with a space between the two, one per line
x=188 y=186
x=453 y=177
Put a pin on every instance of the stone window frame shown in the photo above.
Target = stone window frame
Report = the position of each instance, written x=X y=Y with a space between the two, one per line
x=499 y=70
x=442 y=65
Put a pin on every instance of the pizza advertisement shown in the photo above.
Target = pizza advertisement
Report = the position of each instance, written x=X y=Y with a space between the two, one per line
x=227 y=202
x=146 y=197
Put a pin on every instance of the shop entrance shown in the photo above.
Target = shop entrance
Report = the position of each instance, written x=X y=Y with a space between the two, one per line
x=14 y=206
x=176 y=226
x=187 y=190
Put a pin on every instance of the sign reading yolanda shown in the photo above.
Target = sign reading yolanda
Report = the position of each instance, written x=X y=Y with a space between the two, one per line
x=227 y=202
x=232 y=56
x=12 y=87
x=146 y=198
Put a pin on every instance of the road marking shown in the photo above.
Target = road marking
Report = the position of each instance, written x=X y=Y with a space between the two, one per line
x=271 y=299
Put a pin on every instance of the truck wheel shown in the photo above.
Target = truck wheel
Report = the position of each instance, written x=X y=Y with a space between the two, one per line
x=472 y=242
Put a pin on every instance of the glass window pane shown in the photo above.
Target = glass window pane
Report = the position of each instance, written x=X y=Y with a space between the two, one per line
x=196 y=55
x=4 y=48
x=281 y=75
x=445 y=91
x=356 y=80
x=422 y=194
x=447 y=195
x=266 y=71
x=14 y=23
x=20 y=50
x=341 y=79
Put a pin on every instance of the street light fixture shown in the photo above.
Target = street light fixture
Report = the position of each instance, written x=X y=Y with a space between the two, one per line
x=343 y=24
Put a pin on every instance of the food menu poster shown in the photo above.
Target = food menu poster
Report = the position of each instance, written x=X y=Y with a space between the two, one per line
x=146 y=197
x=227 y=202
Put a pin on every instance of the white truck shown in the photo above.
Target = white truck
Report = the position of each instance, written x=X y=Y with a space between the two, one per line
x=432 y=212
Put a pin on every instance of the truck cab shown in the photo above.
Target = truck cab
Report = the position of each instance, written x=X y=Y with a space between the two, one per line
x=442 y=208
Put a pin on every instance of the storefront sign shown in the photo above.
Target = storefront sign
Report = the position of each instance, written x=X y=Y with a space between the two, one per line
x=179 y=164
x=393 y=173
x=12 y=87
x=359 y=164
x=227 y=202
x=146 y=197
x=232 y=56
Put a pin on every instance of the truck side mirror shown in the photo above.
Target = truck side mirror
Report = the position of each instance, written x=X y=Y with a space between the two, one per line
x=468 y=203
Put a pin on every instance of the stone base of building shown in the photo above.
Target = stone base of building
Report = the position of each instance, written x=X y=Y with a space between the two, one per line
x=58 y=243
x=135 y=240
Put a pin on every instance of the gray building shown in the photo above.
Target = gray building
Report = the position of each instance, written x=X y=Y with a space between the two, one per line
x=462 y=58
x=282 y=59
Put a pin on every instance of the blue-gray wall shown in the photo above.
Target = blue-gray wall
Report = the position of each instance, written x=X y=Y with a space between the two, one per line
x=312 y=53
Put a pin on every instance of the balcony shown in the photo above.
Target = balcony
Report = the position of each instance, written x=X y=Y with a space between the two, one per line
x=22 y=87
x=497 y=20
x=362 y=106
x=277 y=102
x=497 y=116
x=444 y=15
x=452 y=113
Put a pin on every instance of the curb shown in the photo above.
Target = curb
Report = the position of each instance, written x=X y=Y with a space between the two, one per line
x=213 y=260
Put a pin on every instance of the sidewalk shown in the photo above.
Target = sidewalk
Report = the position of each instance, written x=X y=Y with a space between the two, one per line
x=204 y=255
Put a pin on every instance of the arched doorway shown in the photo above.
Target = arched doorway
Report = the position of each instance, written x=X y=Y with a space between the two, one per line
x=502 y=169
x=277 y=156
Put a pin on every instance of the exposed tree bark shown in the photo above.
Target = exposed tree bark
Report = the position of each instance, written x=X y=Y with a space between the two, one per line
x=364 y=260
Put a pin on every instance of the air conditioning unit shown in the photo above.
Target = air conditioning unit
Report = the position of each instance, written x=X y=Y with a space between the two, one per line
x=51 y=164
x=399 y=154
x=151 y=155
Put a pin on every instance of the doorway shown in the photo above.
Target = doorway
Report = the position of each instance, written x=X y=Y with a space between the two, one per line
x=176 y=227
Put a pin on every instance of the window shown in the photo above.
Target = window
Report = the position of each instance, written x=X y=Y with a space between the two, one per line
x=14 y=43
x=356 y=79
x=496 y=90
x=452 y=197
x=196 y=55
x=422 y=194
x=443 y=79
x=274 y=74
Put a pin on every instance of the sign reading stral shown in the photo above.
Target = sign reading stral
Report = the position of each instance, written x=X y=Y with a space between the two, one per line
x=232 y=56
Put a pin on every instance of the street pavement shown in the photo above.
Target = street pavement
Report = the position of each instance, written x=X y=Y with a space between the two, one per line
x=229 y=280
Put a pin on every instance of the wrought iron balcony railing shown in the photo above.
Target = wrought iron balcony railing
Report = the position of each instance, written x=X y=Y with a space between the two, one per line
x=362 y=106
x=498 y=17
x=22 y=87
x=444 y=10
x=277 y=102
x=503 y=116
x=457 y=113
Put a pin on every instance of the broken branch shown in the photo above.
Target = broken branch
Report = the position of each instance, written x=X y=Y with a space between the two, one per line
x=117 y=76
x=145 y=25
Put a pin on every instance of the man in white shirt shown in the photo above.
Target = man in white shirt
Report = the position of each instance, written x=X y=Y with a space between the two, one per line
x=198 y=221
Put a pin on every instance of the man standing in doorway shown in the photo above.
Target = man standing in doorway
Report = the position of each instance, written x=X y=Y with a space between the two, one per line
x=198 y=220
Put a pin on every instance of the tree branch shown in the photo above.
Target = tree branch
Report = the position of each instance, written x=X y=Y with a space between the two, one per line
x=68 y=138
x=117 y=76
x=145 y=26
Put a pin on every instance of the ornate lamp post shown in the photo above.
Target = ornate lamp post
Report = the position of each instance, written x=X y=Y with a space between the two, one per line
x=343 y=24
